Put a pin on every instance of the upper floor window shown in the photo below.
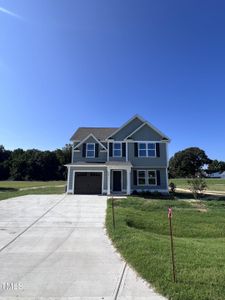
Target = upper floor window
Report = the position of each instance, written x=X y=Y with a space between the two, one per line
x=146 y=149
x=117 y=151
x=90 y=150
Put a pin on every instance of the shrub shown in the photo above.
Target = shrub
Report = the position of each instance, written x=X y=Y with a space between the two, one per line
x=172 y=187
x=197 y=186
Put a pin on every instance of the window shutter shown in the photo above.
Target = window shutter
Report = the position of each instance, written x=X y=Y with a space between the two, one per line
x=136 y=149
x=110 y=149
x=84 y=150
x=158 y=178
x=96 y=150
x=157 y=150
x=135 y=177
x=123 y=149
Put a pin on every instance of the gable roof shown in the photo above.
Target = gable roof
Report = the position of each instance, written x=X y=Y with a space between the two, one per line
x=164 y=137
x=99 y=132
x=121 y=127
x=87 y=137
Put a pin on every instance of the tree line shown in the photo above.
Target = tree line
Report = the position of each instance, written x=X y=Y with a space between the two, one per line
x=34 y=164
x=192 y=162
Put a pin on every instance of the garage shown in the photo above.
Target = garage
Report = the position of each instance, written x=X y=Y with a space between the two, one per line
x=88 y=183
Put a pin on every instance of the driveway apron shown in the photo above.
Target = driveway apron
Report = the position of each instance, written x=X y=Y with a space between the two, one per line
x=55 y=247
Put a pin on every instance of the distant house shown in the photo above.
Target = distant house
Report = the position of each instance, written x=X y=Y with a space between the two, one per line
x=217 y=175
x=133 y=157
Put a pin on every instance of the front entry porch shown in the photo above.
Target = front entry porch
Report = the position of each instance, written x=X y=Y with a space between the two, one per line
x=118 y=178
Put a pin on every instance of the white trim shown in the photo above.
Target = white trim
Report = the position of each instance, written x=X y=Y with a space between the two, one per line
x=167 y=183
x=88 y=171
x=147 y=177
x=152 y=167
x=87 y=137
x=108 y=181
x=121 y=172
x=128 y=182
x=93 y=150
x=87 y=165
x=68 y=179
x=121 y=149
x=134 y=141
x=138 y=184
x=146 y=150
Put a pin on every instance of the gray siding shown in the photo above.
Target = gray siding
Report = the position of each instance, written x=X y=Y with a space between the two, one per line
x=148 y=161
x=102 y=155
x=111 y=158
x=146 y=134
x=128 y=129
x=163 y=181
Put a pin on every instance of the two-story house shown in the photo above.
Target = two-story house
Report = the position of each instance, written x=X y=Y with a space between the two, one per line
x=133 y=157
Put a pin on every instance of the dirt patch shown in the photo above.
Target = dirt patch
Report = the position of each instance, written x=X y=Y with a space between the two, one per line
x=199 y=205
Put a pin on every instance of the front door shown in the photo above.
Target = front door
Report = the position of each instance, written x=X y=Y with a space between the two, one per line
x=117 y=181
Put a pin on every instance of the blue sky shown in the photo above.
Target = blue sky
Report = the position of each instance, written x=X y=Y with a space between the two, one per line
x=65 y=64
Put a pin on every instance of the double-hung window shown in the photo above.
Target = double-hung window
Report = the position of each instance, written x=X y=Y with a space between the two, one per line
x=90 y=150
x=117 y=151
x=146 y=149
x=151 y=177
x=146 y=177
x=141 y=177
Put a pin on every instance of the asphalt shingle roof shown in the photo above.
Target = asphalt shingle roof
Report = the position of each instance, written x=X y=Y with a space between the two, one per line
x=99 y=132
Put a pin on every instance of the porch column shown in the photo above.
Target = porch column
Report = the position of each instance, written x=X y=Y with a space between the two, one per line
x=128 y=181
x=108 y=181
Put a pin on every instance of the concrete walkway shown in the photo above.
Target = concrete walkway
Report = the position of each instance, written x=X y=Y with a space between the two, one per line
x=55 y=247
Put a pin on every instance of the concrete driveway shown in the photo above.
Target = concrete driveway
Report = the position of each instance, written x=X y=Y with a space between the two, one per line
x=55 y=247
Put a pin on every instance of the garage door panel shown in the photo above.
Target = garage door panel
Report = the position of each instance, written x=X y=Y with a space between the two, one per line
x=88 y=183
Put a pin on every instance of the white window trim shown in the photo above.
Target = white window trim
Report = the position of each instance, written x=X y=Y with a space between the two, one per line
x=146 y=149
x=146 y=178
x=141 y=177
x=90 y=150
x=117 y=149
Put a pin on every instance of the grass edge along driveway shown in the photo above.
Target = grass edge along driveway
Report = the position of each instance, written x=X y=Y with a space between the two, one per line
x=10 y=189
x=142 y=237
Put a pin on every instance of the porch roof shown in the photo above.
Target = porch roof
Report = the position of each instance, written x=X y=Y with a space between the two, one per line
x=109 y=164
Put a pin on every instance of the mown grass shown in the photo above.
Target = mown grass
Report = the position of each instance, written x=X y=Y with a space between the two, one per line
x=9 y=189
x=141 y=236
x=212 y=184
x=27 y=184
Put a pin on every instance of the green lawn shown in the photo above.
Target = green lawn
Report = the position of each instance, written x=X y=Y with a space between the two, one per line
x=141 y=236
x=10 y=189
x=212 y=184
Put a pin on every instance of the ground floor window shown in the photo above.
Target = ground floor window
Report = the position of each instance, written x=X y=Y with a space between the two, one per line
x=146 y=177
